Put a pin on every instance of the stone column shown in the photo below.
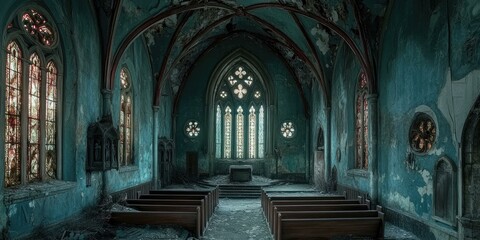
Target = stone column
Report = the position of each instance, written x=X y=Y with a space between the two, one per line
x=155 y=147
x=328 y=145
x=372 y=146
x=107 y=102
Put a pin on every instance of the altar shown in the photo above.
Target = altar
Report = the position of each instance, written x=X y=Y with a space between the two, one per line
x=240 y=173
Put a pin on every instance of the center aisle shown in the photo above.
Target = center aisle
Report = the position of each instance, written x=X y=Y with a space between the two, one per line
x=238 y=219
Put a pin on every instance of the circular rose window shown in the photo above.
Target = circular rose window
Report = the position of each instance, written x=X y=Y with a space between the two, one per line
x=287 y=129
x=423 y=133
x=192 y=129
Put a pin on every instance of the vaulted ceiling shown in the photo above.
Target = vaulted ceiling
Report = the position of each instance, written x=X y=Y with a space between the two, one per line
x=306 y=34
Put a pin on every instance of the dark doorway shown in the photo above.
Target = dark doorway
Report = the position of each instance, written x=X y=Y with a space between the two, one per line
x=192 y=165
x=319 y=163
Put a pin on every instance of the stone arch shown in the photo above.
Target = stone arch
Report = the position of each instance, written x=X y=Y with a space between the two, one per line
x=470 y=169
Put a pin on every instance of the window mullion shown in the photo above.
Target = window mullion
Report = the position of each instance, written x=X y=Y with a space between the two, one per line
x=24 y=122
x=125 y=140
x=43 y=107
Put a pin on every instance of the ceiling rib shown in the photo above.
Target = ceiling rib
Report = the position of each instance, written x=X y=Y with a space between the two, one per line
x=312 y=47
x=184 y=50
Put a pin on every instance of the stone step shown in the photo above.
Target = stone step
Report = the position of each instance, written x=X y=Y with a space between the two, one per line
x=240 y=191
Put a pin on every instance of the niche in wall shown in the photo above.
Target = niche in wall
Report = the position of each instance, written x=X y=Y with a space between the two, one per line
x=444 y=197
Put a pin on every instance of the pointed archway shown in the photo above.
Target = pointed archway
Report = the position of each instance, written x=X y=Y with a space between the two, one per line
x=470 y=209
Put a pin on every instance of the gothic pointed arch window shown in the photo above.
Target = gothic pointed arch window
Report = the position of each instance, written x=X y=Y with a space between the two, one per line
x=361 y=123
x=32 y=99
x=125 y=123
x=240 y=113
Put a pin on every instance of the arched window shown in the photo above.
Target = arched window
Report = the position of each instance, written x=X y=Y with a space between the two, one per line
x=239 y=102
x=361 y=123
x=31 y=100
x=125 y=146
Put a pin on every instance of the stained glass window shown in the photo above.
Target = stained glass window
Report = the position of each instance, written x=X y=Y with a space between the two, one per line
x=252 y=133
x=239 y=132
x=37 y=26
x=125 y=143
x=192 y=129
x=243 y=132
x=361 y=123
x=261 y=136
x=13 y=106
x=227 y=152
x=218 y=133
x=287 y=129
x=51 y=121
x=33 y=147
x=31 y=102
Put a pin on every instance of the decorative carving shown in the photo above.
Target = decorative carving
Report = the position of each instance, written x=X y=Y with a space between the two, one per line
x=102 y=146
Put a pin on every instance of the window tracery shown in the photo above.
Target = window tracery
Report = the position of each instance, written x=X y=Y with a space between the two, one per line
x=240 y=109
x=32 y=97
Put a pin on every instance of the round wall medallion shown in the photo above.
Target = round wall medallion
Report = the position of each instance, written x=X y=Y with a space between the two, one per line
x=423 y=133
x=192 y=128
x=287 y=129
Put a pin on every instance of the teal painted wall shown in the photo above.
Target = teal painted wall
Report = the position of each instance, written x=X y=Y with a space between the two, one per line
x=414 y=67
x=427 y=63
x=342 y=153
x=26 y=209
x=192 y=105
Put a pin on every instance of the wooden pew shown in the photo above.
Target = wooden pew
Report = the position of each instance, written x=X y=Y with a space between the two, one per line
x=321 y=214
x=208 y=200
x=190 y=220
x=327 y=207
x=174 y=203
x=266 y=199
x=272 y=204
x=326 y=228
x=215 y=192
x=170 y=208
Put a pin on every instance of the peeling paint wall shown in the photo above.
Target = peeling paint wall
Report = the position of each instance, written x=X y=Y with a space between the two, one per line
x=36 y=206
x=418 y=73
x=342 y=154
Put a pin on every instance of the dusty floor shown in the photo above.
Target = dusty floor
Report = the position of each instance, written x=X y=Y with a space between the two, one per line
x=234 y=219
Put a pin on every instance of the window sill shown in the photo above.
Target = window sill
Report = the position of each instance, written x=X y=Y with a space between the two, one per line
x=443 y=221
x=358 y=173
x=128 y=169
x=36 y=190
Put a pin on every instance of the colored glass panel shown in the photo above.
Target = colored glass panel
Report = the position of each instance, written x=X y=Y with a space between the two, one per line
x=252 y=133
x=51 y=122
x=37 y=26
x=261 y=136
x=218 y=133
x=361 y=123
x=13 y=100
x=239 y=132
x=227 y=151
x=34 y=89
x=125 y=143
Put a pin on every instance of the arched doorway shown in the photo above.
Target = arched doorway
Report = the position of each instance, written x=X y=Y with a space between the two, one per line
x=470 y=212
x=319 y=163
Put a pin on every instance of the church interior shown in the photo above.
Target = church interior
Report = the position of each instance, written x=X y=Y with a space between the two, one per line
x=110 y=99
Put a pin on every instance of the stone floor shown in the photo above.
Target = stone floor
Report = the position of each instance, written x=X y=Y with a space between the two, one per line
x=233 y=219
